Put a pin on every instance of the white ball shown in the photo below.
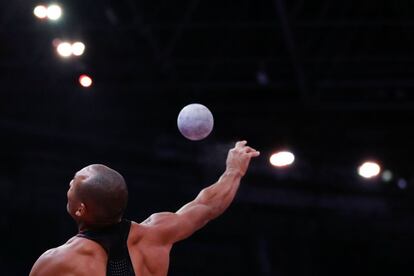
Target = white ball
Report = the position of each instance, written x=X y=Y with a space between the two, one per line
x=195 y=122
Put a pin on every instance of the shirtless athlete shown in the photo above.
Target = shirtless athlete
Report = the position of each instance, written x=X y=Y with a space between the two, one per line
x=109 y=245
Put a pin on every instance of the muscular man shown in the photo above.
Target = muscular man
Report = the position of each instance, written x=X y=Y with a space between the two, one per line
x=109 y=245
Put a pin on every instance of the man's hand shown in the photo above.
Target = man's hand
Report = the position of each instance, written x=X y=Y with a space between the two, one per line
x=239 y=157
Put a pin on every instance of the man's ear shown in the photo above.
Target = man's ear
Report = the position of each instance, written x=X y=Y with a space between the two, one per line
x=81 y=210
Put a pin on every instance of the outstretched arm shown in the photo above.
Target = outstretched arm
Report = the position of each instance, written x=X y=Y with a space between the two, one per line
x=210 y=202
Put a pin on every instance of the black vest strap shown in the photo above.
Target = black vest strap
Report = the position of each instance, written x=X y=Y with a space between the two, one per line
x=113 y=240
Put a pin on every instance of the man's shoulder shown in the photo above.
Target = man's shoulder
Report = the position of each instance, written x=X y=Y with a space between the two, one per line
x=76 y=246
x=140 y=233
x=136 y=233
x=53 y=261
x=66 y=258
x=149 y=232
x=59 y=254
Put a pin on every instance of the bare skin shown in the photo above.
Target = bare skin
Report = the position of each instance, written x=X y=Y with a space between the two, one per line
x=149 y=242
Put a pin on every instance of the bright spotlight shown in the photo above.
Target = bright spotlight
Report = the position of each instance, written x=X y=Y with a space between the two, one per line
x=54 y=12
x=64 y=49
x=282 y=159
x=40 y=12
x=369 y=170
x=78 y=48
x=85 y=80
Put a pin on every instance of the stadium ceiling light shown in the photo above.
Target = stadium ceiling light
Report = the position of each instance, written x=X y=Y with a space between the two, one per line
x=78 y=48
x=282 y=159
x=54 y=12
x=85 y=80
x=40 y=12
x=64 y=49
x=369 y=170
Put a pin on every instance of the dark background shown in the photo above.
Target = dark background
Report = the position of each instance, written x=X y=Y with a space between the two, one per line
x=329 y=80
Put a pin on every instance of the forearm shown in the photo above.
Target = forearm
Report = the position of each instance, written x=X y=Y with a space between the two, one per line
x=220 y=195
x=211 y=201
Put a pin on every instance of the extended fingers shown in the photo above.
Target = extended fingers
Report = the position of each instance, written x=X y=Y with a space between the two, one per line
x=253 y=154
x=241 y=144
x=248 y=149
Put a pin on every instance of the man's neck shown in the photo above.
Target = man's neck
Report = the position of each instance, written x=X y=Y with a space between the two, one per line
x=83 y=226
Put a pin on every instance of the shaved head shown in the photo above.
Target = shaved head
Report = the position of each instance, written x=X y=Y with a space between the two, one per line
x=103 y=191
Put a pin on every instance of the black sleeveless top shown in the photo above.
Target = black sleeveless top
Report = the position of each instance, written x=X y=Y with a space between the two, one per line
x=114 y=240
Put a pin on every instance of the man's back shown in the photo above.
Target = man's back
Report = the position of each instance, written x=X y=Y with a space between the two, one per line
x=81 y=256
